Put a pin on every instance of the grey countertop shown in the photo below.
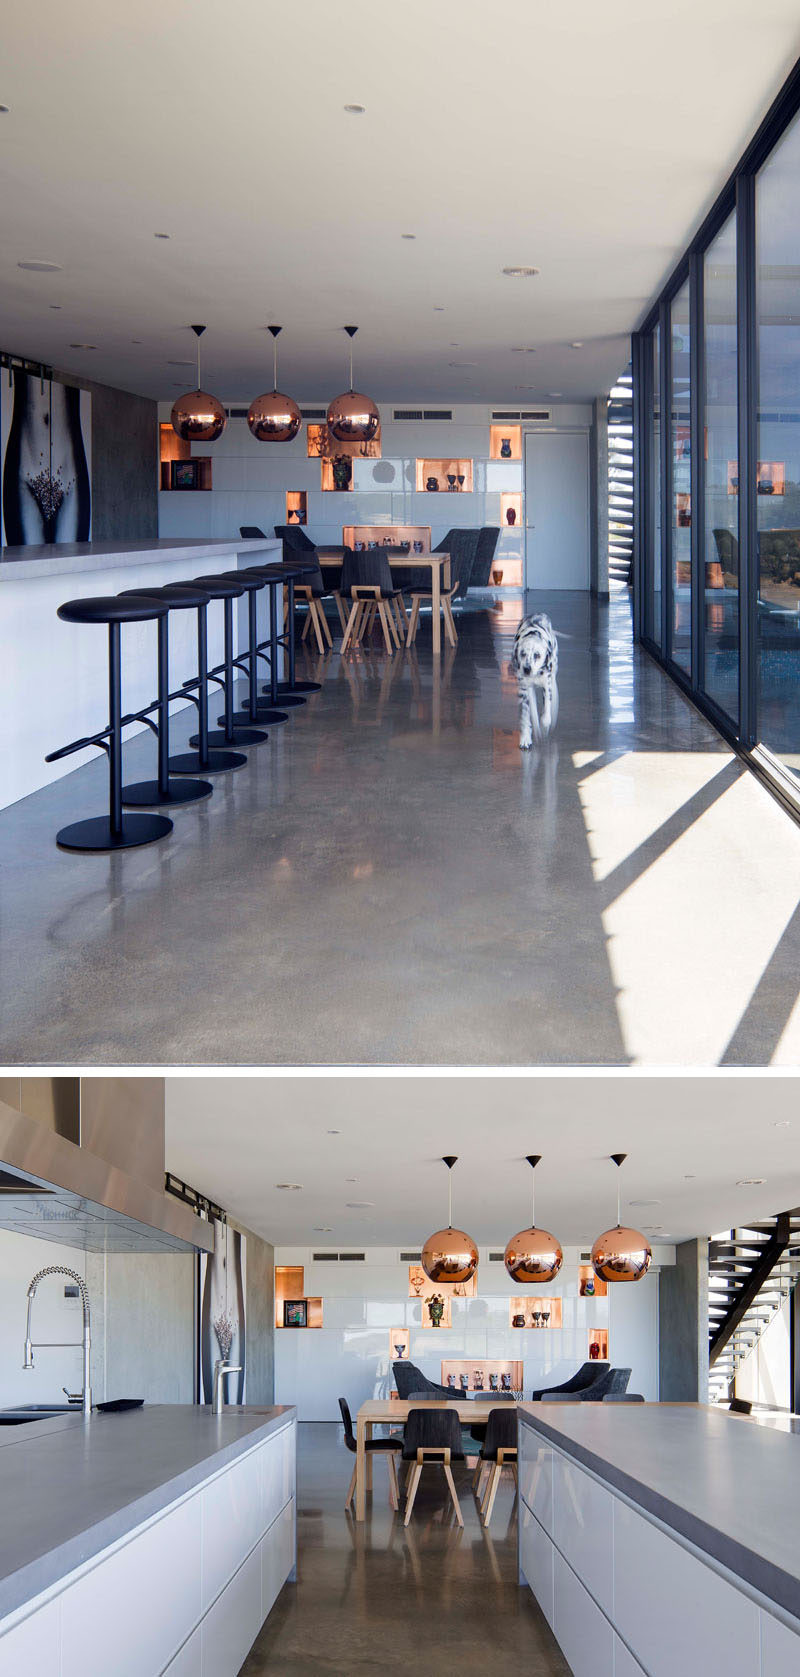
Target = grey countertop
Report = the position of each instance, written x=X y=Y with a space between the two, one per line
x=69 y=1488
x=75 y=558
x=720 y=1481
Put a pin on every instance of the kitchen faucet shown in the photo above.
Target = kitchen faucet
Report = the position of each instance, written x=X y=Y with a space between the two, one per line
x=58 y=1269
x=220 y=1370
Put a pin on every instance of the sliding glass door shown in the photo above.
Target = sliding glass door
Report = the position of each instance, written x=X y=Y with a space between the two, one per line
x=680 y=534
x=778 y=466
x=652 y=464
x=719 y=577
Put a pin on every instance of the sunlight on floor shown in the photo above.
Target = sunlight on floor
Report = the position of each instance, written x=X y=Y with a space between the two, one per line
x=693 y=920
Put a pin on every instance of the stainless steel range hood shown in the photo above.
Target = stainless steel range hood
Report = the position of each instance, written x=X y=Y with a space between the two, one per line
x=82 y=1162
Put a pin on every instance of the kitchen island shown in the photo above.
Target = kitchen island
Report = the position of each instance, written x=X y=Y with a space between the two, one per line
x=662 y=1538
x=145 y=1542
x=53 y=675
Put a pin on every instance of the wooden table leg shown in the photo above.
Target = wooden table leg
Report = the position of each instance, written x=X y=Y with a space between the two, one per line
x=369 y=1459
x=361 y=1470
x=436 y=604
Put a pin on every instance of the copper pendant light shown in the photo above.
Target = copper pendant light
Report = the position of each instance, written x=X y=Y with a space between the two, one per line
x=198 y=417
x=533 y=1257
x=353 y=418
x=621 y=1254
x=273 y=417
x=449 y=1255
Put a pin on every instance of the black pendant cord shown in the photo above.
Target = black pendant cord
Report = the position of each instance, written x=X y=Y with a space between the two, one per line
x=619 y=1159
x=351 y=332
x=274 y=330
x=198 y=330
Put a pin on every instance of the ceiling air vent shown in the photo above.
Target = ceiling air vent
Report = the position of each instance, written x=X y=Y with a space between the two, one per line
x=586 y=1257
x=422 y=413
x=237 y=413
x=352 y=1257
x=411 y=1257
x=497 y=1257
x=522 y=413
x=325 y=1257
x=314 y=413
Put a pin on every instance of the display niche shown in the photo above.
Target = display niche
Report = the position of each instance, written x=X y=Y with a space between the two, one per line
x=290 y=1292
x=399 y=1345
x=598 y=1345
x=180 y=469
x=490 y=1375
x=505 y=442
x=535 y=1313
x=296 y=506
x=445 y=476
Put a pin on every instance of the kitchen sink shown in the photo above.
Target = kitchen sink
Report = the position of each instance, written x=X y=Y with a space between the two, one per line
x=33 y=1412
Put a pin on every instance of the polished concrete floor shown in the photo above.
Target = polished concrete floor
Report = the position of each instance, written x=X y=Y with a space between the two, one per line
x=390 y=880
x=376 y=1597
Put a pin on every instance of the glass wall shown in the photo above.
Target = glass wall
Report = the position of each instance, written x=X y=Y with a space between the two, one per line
x=778 y=470
x=720 y=580
x=653 y=445
x=681 y=480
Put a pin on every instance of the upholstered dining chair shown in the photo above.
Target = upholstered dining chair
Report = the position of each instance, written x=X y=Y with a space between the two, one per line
x=313 y=588
x=432 y=1438
x=367 y=583
x=387 y=1447
x=499 y=1450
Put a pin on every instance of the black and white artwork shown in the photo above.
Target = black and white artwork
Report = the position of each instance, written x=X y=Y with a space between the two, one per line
x=222 y=1328
x=45 y=432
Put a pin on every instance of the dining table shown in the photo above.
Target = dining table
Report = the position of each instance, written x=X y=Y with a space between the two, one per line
x=390 y=1412
x=438 y=564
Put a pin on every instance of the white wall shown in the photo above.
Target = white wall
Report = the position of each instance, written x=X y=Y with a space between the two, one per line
x=251 y=478
x=349 y=1356
x=766 y=1375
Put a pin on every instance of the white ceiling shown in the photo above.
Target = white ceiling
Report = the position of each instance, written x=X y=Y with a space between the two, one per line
x=585 y=140
x=689 y=1139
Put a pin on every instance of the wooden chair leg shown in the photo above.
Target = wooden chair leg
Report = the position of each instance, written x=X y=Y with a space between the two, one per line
x=350 y=626
x=352 y=1491
x=411 y=1489
x=449 y=623
x=414 y=622
x=393 y=626
x=313 y=612
x=477 y=1477
x=402 y=614
x=487 y=1486
x=493 y=1484
x=448 y=1473
x=394 y=1493
x=340 y=608
x=325 y=625
x=360 y=623
x=306 y=625
x=384 y=617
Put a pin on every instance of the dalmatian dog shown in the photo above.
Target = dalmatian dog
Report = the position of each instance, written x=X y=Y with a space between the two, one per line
x=534 y=662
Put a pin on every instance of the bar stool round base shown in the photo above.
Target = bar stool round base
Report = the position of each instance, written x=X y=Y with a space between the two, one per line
x=244 y=736
x=218 y=762
x=287 y=699
x=145 y=793
x=285 y=687
x=265 y=717
x=96 y=832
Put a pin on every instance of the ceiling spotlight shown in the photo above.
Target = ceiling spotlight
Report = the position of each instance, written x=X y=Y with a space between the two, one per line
x=449 y=1255
x=161 y=235
x=578 y=344
x=462 y=363
x=289 y=1187
x=323 y=1228
x=33 y=265
x=334 y=1132
x=55 y=305
x=520 y=273
x=3 y=110
x=359 y=1205
x=355 y=110
x=751 y=1182
x=644 y=1202
x=83 y=346
x=438 y=308
x=781 y=1124
x=408 y=235
x=555 y=393
x=138 y=341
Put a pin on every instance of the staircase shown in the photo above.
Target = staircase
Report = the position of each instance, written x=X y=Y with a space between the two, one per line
x=751 y=1272
x=620 y=481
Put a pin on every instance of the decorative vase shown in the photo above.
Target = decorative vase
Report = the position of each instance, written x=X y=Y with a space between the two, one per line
x=451 y=478
x=505 y=448
x=497 y=577
x=342 y=472
x=493 y=1382
x=505 y=1382
x=594 y=1351
x=400 y=1349
x=518 y=1321
x=461 y=479
x=451 y=1381
x=478 y=1380
x=436 y=1310
x=511 y=515
x=431 y=484
x=464 y=1382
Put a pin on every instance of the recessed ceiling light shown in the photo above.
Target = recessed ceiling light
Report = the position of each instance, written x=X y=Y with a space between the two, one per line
x=690 y=1178
x=35 y=266
x=83 y=346
x=161 y=235
x=323 y=1228
x=408 y=235
x=55 y=305
x=454 y=344
x=751 y=1181
x=359 y=1205
x=644 y=1202
x=652 y=1228
x=555 y=392
x=578 y=344
x=334 y=1132
x=3 y=110
x=355 y=110
x=438 y=308
x=781 y=1124
x=289 y=1187
x=520 y=273
x=462 y=363
x=136 y=340
x=171 y=363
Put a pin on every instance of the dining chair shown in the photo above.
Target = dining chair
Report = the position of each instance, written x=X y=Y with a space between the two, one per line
x=387 y=1447
x=367 y=583
x=432 y=1438
x=499 y=1450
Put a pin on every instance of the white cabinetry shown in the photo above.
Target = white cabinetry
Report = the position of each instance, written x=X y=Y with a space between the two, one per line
x=184 y=1595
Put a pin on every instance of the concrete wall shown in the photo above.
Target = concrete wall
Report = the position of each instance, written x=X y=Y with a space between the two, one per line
x=260 y=1305
x=683 y=1325
x=124 y=463
x=142 y=1326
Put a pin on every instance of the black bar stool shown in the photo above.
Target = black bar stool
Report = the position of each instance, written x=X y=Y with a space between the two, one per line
x=254 y=713
x=292 y=571
x=207 y=762
x=163 y=790
x=227 y=591
x=273 y=579
x=114 y=831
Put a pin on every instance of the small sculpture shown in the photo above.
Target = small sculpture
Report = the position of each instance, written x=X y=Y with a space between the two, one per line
x=505 y=448
x=436 y=1309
